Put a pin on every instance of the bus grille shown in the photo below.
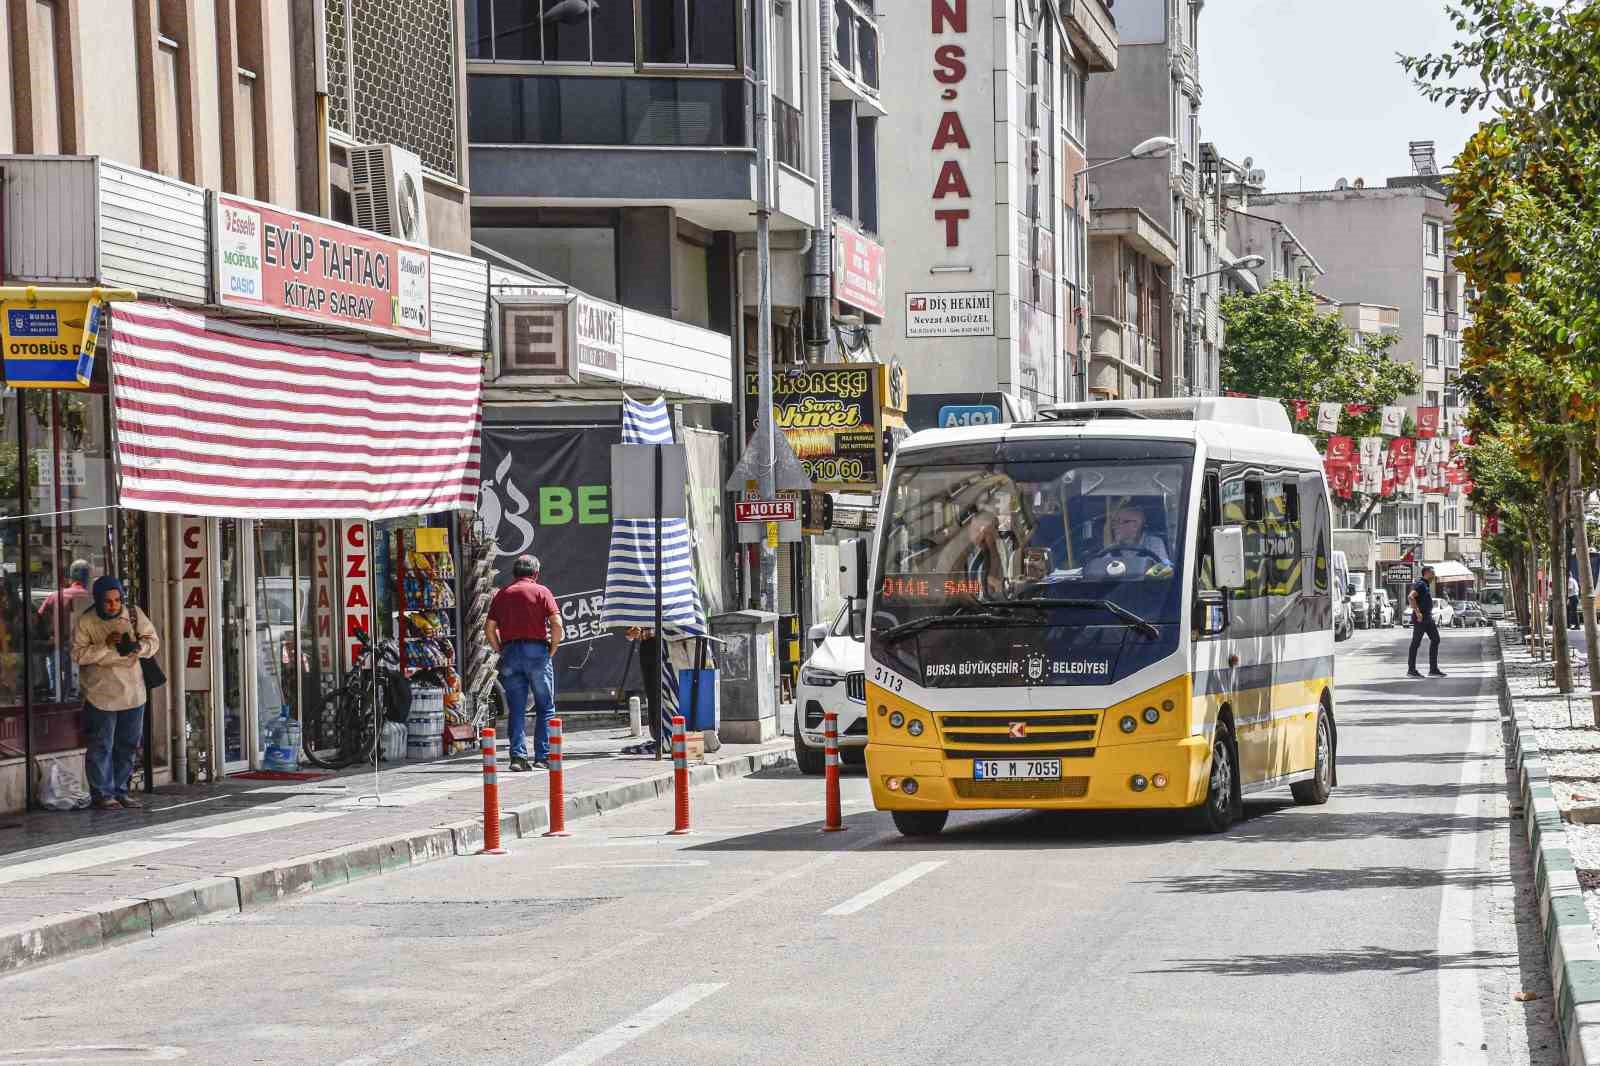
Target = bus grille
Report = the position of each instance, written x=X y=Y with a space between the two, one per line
x=1064 y=788
x=855 y=686
x=967 y=732
x=1042 y=737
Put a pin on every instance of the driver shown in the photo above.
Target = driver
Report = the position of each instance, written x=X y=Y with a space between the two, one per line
x=1134 y=553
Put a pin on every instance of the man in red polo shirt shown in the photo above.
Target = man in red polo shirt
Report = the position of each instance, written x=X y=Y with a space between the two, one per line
x=524 y=626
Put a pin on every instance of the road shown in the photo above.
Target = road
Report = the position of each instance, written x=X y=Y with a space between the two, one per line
x=1377 y=929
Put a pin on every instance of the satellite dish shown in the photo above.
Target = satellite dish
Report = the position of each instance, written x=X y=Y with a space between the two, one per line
x=1342 y=183
x=1249 y=161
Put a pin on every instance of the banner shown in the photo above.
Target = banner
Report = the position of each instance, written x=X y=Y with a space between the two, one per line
x=1394 y=420
x=1402 y=456
x=1328 y=417
x=547 y=492
x=1427 y=421
x=1302 y=410
x=1371 y=452
x=1341 y=451
x=832 y=418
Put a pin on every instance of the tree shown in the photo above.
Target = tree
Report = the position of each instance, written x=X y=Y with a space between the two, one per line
x=1280 y=345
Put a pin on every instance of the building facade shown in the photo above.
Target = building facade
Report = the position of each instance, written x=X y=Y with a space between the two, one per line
x=988 y=287
x=1156 y=92
x=157 y=148
x=1388 y=247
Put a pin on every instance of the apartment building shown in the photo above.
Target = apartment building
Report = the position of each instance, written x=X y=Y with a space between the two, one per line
x=1388 y=246
x=1156 y=92
x=180 y=149
x=988 y=288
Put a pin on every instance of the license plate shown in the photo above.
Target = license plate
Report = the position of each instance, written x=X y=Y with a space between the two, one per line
x=1016 y=769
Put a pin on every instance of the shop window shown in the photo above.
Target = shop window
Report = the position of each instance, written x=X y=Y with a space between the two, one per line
x=582 y=256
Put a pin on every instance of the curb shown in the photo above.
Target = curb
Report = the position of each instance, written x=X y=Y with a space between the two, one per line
x=123 y=921
x=1569 y=935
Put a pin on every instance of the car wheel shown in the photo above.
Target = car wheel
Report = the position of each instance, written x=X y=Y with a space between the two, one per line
x=920 y=823
x=1316 y=791
x=1216 y=811
x=810 y=760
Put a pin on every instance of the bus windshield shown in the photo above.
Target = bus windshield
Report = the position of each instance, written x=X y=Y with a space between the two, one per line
x=982 y=561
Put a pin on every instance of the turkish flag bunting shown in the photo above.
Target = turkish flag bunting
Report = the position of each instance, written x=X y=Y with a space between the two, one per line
x=1491 y=524
x=1302 y=410
x=1357 y=408
x=1455 y=474
x=1427 y=421
x=1402 y=455
x=1341 y=451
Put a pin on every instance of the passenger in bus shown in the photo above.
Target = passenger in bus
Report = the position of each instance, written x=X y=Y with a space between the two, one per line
x=1134 y=553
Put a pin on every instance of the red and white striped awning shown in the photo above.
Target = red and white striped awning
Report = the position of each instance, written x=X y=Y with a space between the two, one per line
x=213 y=418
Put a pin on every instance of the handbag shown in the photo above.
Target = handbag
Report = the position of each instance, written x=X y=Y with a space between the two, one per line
x=154 y=676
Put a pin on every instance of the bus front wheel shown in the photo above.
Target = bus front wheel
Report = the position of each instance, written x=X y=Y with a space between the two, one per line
x=1215 y=813
x=1316 y=791
x=920 y=823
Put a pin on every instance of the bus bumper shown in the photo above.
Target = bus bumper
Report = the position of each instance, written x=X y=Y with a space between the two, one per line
x=1103 y=781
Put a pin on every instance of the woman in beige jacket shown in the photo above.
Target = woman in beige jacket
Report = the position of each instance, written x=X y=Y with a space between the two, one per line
x=110 y=639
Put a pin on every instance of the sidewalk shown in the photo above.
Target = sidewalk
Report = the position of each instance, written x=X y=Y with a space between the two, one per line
x=79 y=881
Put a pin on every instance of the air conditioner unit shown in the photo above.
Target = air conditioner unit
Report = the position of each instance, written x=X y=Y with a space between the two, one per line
x=386 y=192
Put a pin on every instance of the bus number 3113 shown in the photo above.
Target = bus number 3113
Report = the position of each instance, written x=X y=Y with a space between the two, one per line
x=891 y=681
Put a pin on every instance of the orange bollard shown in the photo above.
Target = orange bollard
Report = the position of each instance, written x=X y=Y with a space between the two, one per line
x=680 y=776
x=558 y=803
x=834 y=817
x=491 y=797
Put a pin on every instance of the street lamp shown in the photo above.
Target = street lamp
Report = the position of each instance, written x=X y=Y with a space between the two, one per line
x=1249 y=262
x=1146 y=149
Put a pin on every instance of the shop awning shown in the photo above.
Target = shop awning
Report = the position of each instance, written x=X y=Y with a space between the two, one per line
x=218 y=419
x=630 y=598
x=1450 y=570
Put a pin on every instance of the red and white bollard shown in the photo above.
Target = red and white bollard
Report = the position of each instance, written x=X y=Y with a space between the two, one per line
x=680 y=777
x=834 y=817
x=491 y=797
x=558 y=803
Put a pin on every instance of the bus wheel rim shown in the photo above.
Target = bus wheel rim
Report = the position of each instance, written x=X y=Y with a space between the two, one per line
x=1221 y=776
x=1324 y=753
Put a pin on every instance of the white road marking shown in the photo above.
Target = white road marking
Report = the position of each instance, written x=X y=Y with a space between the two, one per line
x=82 y=860
x=767 y=885
x=415 y=794
x=246 y=826
x=882 y=889
x=94 y=1053
x=628 y=1030
x=1460 y=1008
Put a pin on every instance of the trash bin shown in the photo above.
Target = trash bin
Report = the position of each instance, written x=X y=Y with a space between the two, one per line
x=747 y=676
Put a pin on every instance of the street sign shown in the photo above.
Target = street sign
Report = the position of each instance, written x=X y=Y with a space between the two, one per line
x=785 y=510
x=969 y=414
x=633 y=480
x=1397 y=573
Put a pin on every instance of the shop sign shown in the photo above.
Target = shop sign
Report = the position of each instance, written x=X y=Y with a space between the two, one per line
x=832 y=418
x=354 y=568
x=1397 y=573
x=785 y=510
x=50 y=344
x=194 y=590
x=284 y=263
x=858 y=270
x=949 y=314
x=950 y=25
x=956 y=415
x=325 y=590
x=597 y=337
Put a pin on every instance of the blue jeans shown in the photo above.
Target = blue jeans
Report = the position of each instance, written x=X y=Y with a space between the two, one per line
x=526 y=667
x=114 y=737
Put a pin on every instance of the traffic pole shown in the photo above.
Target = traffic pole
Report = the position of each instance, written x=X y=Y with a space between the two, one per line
x=558 y=803
x=833 y=818
x=680 y=776
x=491 y=797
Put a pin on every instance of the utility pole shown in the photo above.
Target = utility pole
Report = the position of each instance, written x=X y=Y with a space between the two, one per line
x=766 y=451
x=819 y=271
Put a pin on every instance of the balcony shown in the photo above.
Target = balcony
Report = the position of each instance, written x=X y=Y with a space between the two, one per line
x=1093 y=31
x=788 y=135
x=1452 y=322
x=855 y=70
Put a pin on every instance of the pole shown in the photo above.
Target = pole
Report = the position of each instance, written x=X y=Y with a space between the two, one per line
x=1580 y=535
x=834 y=818
x=491 y=796
x=680 y=778
x=819 y=272
x=766 y=451
x=661 y=645
x=558 y=803
x=177 y=692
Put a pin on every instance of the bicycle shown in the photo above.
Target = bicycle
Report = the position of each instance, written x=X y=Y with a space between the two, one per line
x=349 y=708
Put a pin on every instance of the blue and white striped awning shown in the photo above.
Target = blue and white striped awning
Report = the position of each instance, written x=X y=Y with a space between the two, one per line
x=630 y=598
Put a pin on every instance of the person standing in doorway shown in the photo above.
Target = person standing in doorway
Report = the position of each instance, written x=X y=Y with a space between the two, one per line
x=110 y=639
x=1574 y=615
x=524 y=627
x=1421 y=597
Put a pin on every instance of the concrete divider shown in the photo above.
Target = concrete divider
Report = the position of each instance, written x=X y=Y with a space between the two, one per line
x=60 y=936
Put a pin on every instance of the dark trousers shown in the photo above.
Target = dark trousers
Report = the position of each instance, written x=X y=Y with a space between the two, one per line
x=649 y=666
x=114 y=738
x=1419 y=629
x=1574 y=613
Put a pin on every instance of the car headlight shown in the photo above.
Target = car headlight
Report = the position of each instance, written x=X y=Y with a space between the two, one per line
x=821 y=678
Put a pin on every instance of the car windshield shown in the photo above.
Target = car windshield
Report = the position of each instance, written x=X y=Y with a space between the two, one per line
x=982 y=558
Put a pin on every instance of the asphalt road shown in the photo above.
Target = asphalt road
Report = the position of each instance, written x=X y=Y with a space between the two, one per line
x=1378 y=929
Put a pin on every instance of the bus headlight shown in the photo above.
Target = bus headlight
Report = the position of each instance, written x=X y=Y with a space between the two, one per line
x=915 y=728
x=1138 y=783
x=1128 y=725
x=909 y=786
x=897 y=719
x=1151 y=715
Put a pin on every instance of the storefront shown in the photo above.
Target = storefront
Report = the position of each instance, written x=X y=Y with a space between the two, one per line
x=281 y=384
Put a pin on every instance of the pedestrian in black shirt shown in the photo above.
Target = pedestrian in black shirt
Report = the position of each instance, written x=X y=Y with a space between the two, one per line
x=1421 y=597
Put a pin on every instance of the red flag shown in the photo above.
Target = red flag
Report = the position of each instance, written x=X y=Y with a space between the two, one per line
x=1357 y=408
x=1402 y=456
x=1491 y=524
x=1302 y=410
x=1341 y=451
x=1427 y=421
x=1455 y=474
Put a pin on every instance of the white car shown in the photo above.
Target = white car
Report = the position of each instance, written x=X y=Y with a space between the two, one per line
x=1444 y=612
x=1382 y=608
x=832 y=679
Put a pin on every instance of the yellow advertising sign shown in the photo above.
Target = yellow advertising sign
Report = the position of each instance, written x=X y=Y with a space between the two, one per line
x=48 y=337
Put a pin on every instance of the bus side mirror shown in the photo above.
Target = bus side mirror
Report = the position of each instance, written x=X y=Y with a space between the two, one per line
x=1211 y=613
x=853 y=568
x=1227 y=546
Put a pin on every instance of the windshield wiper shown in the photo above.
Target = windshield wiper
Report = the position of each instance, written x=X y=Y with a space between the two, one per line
x=917 y=625
x=1142 y=625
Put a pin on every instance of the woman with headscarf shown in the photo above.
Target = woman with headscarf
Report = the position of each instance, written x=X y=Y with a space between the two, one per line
x=107 y=645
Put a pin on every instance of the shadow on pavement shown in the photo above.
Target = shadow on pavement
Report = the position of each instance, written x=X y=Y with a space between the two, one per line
x=1370 y=718
x=1333 y=879
x=1372 y=959
x=1433 y=757
x=1401 y=790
